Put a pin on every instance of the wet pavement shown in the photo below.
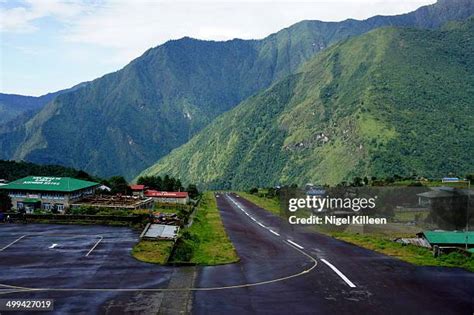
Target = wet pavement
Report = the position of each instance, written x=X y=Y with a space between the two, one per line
x=381 y=284
x=283 y=269
x=78 y=257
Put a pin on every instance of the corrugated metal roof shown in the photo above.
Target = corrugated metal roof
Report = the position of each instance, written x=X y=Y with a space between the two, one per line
x=440 y=237
x=162 y=231
x=43 y=183
x=446 y=192
x=436 y=194
x=137 y=187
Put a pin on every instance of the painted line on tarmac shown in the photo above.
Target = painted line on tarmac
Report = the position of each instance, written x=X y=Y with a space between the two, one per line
x=96 y=244
x=274 y=232
x=295 y=244
x=259 y=223
x=340 y=274
x=238 y=286
x=337 y=271
x=311 y=258
x=17 y=240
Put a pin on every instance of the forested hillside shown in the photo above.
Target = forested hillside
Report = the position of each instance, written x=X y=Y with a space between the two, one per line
x=393 y=101
x=125 y=121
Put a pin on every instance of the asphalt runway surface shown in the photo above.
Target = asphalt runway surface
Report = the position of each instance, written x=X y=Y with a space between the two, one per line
x=347 y=279
x=92 y=257
x=283 y=269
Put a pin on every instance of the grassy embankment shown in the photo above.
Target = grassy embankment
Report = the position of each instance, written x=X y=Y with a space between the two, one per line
x=205 y=242
x=379 y=241
x=270 y=204
x=156 y=252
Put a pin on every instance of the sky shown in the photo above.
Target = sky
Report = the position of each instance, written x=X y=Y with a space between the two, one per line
x=49 y=45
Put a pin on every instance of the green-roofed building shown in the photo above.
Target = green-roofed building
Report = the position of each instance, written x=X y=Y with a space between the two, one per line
x=450 y=238
x=48 y=193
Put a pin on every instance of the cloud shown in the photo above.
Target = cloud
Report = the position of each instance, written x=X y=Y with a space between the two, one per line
x=68 y=41
x=131 y=27
x=22 y=17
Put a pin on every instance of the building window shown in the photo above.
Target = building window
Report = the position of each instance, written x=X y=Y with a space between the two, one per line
x=20 y=205
x=60 y=207
x=46 y=206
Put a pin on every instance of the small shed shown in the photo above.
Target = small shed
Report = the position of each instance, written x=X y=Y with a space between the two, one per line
x=449 y=238
x=161 y=231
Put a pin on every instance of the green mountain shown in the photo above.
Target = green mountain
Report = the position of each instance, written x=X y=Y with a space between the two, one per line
x=127 y=120
x=392 y=101
x=13 y=106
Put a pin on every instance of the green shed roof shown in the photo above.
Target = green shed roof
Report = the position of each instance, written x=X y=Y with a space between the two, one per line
x=439 y=237
x=41 y=183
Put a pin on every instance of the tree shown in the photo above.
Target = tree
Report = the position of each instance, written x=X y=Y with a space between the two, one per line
x=192 y=191
x=5 y=202
x=119 y=185
x=84 y=176
x=178 y=186
x=253 y=191
x=151 y=182
x=357 y=182
x=470 y=177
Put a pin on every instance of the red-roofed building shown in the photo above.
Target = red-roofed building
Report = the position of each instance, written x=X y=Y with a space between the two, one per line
x=138 y=190
x=180 y=197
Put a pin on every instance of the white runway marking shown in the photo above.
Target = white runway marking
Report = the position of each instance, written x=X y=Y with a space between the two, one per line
x=340 y=274
x=53 y=246
x=18 y=239
x=274 y=232
x=96 y=244
x=297 y=245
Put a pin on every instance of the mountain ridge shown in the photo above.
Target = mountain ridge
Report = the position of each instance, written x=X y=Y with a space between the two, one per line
x=124 y=121
x=364 y=107
x=14 y=105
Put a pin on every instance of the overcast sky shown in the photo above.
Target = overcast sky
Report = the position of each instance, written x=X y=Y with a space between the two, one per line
x=48 y=45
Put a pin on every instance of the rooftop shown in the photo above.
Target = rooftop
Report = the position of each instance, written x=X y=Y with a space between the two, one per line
x=116 y=201
x=166 y=194
x=43 y=183
x=443 y=237
x=446 y=192
x=137 y=187
x=162 y=231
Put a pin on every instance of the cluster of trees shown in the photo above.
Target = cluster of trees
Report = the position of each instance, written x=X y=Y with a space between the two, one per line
x=413 y=180
x=167 y=183
x=12 y=170
x=118 y=185
x=5 y=202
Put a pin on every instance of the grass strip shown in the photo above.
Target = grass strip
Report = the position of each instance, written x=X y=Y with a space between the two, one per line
x=269 y=204
x=380 y=243
x=156 y=252
x=206 y=241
